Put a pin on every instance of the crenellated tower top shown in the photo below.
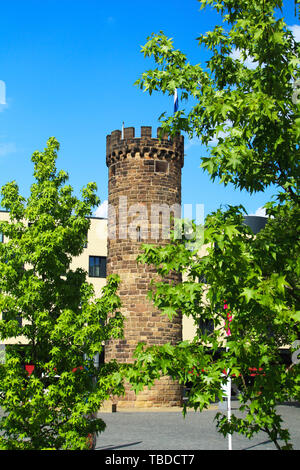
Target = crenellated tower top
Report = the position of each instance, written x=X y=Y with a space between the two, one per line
x=161 y=147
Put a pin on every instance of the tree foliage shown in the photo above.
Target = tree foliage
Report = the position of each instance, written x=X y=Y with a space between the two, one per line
x=245 y=283
x=50 y=312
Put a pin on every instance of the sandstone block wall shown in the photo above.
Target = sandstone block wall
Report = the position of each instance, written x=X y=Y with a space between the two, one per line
x=144 y=189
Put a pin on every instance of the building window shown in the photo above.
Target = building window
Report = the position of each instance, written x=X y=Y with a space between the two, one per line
x=206 y=327
x=97 y=266
x=1 y=237
x=6 y=318
x=138 y=234
x=161 y=166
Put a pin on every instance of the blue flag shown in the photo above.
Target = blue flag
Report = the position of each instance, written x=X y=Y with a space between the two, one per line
x=175 y=101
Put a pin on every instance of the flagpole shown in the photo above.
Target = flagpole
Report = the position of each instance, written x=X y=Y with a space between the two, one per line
x=229 y=408
x=228 y=385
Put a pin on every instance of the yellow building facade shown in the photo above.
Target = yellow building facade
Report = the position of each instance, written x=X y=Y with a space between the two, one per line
x=93 y=261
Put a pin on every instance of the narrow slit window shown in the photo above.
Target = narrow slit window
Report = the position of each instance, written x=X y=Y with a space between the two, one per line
x=138 y=234
x=113 y=170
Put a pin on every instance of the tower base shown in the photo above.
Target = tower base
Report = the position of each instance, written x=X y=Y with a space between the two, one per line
x=165 y=393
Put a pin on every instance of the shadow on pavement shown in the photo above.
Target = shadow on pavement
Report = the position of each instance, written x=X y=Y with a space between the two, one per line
x=291 y=403
x=259 y=444
x=117 y=447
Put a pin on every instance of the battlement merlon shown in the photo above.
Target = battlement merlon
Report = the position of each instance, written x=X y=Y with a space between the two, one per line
x=162 y=145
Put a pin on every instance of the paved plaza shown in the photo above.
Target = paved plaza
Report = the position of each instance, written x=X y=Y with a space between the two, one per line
x=168 y=430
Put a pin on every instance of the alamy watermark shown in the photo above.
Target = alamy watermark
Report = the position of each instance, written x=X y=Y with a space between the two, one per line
x=296 y=92
x=155 y=222
x=2 y=92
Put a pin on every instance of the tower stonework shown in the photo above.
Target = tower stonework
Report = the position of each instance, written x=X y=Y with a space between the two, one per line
x=144 y=190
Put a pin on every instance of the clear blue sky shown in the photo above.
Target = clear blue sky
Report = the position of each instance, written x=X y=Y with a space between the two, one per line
x=69 y=67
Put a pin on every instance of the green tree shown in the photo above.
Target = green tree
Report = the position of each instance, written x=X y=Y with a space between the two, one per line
x=62 y=324
x=251 y=282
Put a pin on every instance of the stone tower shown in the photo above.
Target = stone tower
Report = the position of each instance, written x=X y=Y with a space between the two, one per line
x=144 y=190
